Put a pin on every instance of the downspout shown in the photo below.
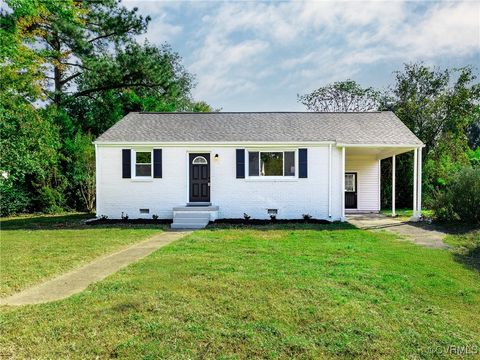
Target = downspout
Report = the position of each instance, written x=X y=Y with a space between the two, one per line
x=330 y=181
x=343 y=184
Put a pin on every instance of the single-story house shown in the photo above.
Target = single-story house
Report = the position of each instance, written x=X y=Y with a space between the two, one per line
x=196 y=167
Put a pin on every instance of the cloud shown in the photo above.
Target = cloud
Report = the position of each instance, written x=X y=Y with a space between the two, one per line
x=447 y=28
x=160 y=29
x=240 y=48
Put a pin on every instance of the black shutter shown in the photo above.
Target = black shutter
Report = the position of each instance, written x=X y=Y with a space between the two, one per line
x=240 y=163
x=126 y=163
x=157 y=163
x=302 y=163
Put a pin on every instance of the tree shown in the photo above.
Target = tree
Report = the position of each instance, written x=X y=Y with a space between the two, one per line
x=30 y=147
x=473 y=133
x=437 y=105
x=74 y=37
x=81 y=168
x=156 y=80
x=69 y=69
x=341 y=96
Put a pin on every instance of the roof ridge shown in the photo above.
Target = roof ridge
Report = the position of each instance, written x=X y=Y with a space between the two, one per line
x=259 y=112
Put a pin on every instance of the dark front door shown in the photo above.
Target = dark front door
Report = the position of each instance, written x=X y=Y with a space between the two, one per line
x=199 y=177
x=350 y=190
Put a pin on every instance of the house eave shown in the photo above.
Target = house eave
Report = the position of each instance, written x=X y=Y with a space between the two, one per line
x=213 y=143
x=251 y=143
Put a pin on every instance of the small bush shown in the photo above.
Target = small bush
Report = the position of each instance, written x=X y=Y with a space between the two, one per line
x=50 y=200
x=155 y=217
x=13 y=199
x=459 y=200
x=306 y=217
x=246 y=216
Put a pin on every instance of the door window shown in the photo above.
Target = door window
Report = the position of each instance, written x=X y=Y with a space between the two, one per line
x=350 y=182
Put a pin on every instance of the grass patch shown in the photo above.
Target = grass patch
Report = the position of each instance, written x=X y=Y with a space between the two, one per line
x=466 y=247
x=35 y=248
x=308 y=291
x=406 y=214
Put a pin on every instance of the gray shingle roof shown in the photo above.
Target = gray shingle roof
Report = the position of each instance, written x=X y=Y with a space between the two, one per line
x=346 y=128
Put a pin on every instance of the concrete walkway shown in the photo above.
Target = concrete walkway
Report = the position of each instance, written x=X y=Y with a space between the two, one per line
x=419 y=233
x=77 y=280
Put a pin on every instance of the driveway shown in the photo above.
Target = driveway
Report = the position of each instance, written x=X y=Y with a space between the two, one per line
x=417 y=232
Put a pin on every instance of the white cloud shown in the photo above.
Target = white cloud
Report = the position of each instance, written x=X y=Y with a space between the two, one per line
x=160 y=28
x=448 y=28
x=236 y=48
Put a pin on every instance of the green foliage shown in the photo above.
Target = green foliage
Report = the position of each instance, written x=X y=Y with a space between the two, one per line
x=459 y=199
x=148 y=78
x=474 y=157
x=403 y=186
x=29 y=144
x=13 y=198
x=69 y=71
x=81 y=170
x=439 y=106
x=341 y=96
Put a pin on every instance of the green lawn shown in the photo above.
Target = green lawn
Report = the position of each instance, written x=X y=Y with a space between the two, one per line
x=305 y=291
x=405 y=214
x=33 y=249
x=466 y=247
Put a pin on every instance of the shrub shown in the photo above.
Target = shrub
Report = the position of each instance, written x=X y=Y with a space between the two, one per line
x=460 y=199
x=13 y=198
x=50 y=200
x=306 y=217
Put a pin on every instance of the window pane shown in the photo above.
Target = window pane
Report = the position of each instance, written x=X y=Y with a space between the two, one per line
x=272 y=164
x=199 y=160
x=349 y=182
x=143 y=170
x=253 y=164
x=289 y=169
x=144 y=157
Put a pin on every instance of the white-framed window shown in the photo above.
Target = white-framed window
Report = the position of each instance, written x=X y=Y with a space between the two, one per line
x=142 y=163
x=350 y=182
x=272 y=163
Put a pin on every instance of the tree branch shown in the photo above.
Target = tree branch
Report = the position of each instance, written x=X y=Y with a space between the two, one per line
x=71 y=77
x=113 y=86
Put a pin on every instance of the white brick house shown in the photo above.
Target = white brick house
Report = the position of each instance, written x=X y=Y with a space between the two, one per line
x=225 y=165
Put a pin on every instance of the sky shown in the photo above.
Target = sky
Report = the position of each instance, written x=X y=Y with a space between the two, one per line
x=257 y=56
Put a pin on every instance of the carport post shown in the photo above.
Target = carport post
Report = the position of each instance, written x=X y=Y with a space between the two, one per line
x=415 y=181
x=393 y=186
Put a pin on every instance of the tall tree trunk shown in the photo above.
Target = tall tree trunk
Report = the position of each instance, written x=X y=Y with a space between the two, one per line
x=57 y=96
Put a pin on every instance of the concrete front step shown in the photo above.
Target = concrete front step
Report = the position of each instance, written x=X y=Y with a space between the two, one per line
x=190 y=221
x=191 y=215
x=187 y=226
